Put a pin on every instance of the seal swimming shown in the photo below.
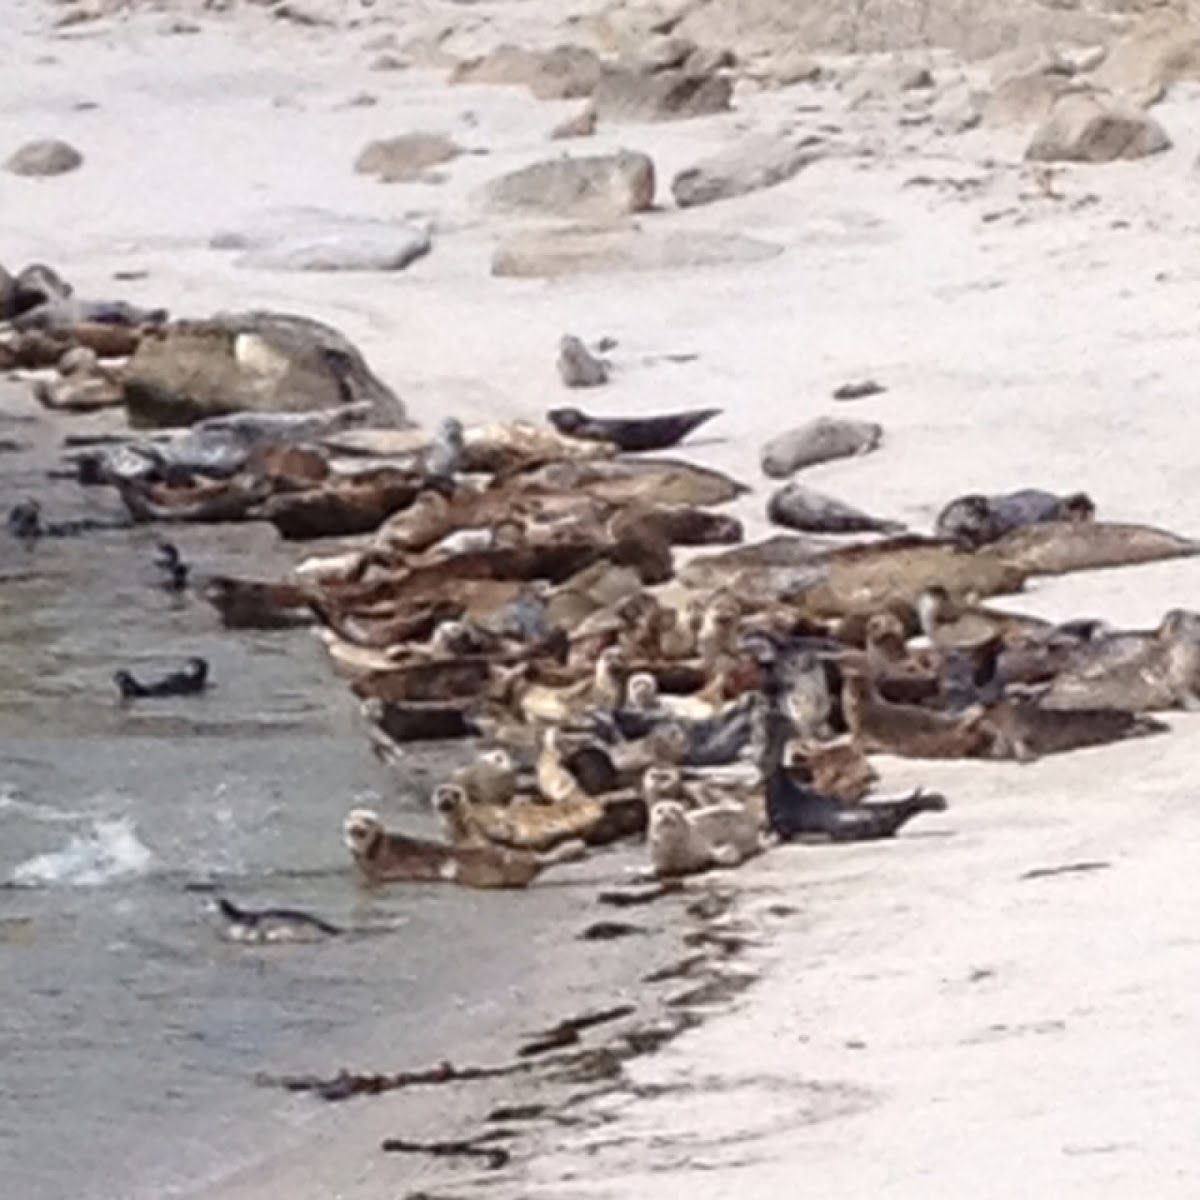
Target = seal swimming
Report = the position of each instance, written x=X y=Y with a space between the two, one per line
x=192 y=680
x=171 y=563
x=631 y=434
x=268 y=926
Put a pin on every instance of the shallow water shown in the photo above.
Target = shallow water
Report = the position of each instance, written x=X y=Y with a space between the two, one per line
x=130 y=1032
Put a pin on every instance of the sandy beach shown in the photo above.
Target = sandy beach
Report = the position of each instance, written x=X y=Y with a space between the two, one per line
x=942 y=1015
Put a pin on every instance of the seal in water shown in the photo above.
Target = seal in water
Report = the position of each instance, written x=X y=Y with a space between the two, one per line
x=192 y=680
x=685 y=843
x=797 y=811
x=578 y=367
x=796 y=507
x=171 y=563
x=384 y=857
x=631 y=434
x=976 y=520
x=269 y=925
x=25 y=522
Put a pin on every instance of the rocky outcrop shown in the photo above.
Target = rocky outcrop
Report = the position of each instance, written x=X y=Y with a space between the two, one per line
x=254 y=361
x=1163 y=49
x=585 y=251
x=595 y=187
x=1093 y=128
x=635 y=94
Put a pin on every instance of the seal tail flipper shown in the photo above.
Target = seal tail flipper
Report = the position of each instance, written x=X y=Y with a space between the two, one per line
x=572 y=851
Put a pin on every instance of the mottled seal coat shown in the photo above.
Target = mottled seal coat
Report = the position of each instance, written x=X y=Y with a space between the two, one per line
x=819 y=441
x=632 y=434
x=490 y=779
x=1057 y=547
x=269 y=926
x=516 y=826
x=975 y=520
x=685 y=843
x=385 y=857
x=795 y=506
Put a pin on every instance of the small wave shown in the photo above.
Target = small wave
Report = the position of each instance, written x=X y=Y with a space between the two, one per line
x=12 y=801
x=110 y=850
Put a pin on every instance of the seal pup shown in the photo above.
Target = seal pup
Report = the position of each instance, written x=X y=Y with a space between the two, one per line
x=818 y=441
x=171 y=563
x=908 y=730
x=631 y=434
x=269 y=925
x=385 y=857
x=578 y=367
x=192 y=680
x=974 y=520
x=684 y=842
x=490 y=779
x=795 y=506
x=795 y=810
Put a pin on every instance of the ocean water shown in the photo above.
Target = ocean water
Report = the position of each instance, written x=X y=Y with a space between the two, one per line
x=130 y=1034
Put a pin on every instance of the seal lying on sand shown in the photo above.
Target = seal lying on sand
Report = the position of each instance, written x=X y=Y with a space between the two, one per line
x=192 y=680
x=819 y=441
x=631 y=434
x=795 y=810
x=383 y=857
x=685 y=843
x=1164 y=673
x=976 y=520
x=795 y=506
x=269 y=925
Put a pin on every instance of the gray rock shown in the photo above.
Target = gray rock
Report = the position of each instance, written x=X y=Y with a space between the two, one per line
x=407 y=156
x=588 y=251
x=582 y=124
x=578 y=367
x=604 y=185
x=819 y=441
x=390 y=249
x=44 y=158
x=887 y=80
x=1027 y=98
x=250 y=362
x=627 y=94
x=1095 y=129
x=756 y=162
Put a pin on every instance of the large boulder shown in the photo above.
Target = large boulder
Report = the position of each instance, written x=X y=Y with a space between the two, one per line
x=591 y=251
x=562 y=73
x=1093 y=128
x=596 y=187
x=387 y=249
x=756 y=162
x=250 y=362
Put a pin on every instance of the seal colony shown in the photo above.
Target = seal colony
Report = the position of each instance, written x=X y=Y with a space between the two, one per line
x=518 y=584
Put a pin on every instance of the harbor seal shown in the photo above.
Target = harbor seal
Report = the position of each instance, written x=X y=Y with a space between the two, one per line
x=975 y=520
x=384 y=857
x=536 y=827
x=269 y=926
x=490 y=779
x=908 y=730
x=819 y=441
x=171 y=563
x=684 y=842
x=632 y=434
x=795 y=506
x=190 y=681
x=578 y=367
x=1163 y=674
x=443 y=458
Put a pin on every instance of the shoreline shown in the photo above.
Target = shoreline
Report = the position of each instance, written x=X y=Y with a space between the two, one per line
x=926 y=1021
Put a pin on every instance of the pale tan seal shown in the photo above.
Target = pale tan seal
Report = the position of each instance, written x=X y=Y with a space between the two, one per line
x=685 y=843
x=536 y=827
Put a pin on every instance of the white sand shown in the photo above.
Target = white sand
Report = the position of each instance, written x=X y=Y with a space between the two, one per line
x=929 y=1024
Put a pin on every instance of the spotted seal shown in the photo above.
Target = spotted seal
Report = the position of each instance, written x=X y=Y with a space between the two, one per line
x=632 y=434
x=975 y=520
